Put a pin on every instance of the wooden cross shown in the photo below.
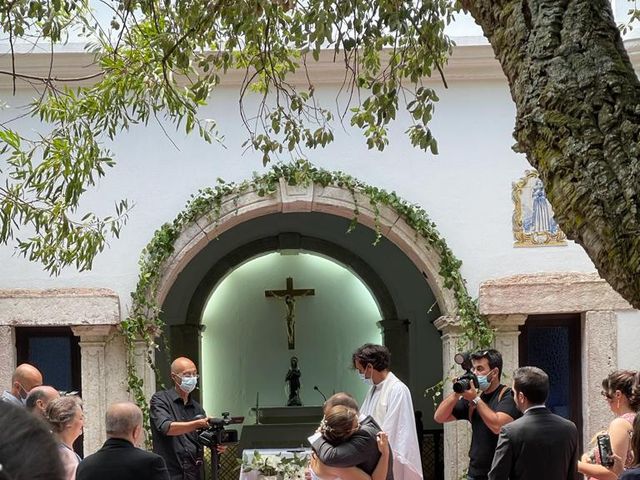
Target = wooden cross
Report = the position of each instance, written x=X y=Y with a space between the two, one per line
x=289 y=296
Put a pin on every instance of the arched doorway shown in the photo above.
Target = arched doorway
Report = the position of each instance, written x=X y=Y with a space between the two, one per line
x=406 y=304
x=415 y=253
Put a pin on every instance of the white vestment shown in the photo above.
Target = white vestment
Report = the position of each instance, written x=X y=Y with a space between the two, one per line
x=389 y=403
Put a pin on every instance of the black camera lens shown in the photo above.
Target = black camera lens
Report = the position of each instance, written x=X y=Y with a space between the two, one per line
x=461 y=385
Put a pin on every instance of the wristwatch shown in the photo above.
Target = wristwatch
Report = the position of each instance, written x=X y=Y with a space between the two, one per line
x=476 y=400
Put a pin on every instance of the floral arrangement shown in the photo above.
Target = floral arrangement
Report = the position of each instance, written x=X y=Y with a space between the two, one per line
x=285 y=468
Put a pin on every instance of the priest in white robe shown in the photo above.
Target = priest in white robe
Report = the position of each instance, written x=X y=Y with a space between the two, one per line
x=388 y=401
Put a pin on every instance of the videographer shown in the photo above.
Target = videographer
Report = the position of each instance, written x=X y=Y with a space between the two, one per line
x=174 y=424
x=486 y=403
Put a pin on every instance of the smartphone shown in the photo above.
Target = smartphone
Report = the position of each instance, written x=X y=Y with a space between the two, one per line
x=604 y=449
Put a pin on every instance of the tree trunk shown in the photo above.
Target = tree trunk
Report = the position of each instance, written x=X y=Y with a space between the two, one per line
x=578 y=119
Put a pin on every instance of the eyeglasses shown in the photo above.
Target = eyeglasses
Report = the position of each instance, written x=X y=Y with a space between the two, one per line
x=189 y=375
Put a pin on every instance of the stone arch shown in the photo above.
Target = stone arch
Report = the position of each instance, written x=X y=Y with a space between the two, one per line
x=334 y=200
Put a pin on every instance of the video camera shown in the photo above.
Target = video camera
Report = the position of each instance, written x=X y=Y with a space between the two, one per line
x=463 y=382
x=216 y=434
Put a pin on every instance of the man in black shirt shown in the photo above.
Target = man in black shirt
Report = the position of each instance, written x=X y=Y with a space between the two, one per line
x=173 y=423
x=487 y=411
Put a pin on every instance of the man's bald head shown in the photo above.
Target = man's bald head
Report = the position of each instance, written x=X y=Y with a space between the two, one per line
x=123 y=420
x=24 y=378
x=181 y=365
x=39 y=398
x=341 y=398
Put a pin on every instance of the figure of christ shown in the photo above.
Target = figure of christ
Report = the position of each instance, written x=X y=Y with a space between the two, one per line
x=289 y=295
x=339 y=424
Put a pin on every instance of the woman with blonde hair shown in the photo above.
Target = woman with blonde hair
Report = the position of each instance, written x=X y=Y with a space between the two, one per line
x=621 y=390
x=66 y=419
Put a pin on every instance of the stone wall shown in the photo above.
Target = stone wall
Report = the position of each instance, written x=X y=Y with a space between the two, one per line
x=93 y=315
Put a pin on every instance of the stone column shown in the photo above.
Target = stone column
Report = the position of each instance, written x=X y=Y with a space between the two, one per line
x=94 y=373
x=7 y=355
x=457 y=435
x=395 y=336
x=599 y=359
x=507 y=329
x=141 y=356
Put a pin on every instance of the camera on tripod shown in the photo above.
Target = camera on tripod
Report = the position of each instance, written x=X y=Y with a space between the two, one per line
x=216 y=434
x=463 y=382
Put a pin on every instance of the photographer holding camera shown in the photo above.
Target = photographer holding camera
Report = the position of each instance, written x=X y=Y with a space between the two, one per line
x=481 y=399
x=175 y=419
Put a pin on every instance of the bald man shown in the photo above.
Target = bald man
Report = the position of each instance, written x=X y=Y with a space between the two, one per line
x=24 y=378
x=173 y=423
x=119 y=459
x=39 y=398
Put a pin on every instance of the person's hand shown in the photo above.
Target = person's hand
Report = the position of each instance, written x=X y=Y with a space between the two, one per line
x=587 y=457
x=382 y=439
x=307 y=474
x=471 y=393
x=202 y=423
x=617 y=463
x=314 y=462
x=221 y=448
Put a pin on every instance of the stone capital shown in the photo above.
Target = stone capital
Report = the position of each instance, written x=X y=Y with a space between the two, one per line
x=448 y=324
x=393 y=324
x=505 y=323
x=89 y=332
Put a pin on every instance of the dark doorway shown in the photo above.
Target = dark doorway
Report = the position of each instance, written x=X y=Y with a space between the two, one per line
x=552 y=343
x=56 y=353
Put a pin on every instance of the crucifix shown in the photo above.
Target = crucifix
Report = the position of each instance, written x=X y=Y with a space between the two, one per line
x=289 y=296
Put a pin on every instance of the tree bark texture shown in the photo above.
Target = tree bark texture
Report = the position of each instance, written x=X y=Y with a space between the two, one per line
x=578 y=121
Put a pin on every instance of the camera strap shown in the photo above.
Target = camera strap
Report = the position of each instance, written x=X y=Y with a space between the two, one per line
x=472 y=406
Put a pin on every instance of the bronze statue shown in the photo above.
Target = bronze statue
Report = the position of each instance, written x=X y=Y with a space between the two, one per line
x=293 y=379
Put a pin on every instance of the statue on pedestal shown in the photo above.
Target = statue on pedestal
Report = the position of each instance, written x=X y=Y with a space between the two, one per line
x=293 y=379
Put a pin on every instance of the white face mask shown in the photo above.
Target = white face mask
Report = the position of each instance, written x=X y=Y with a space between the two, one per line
x=188 y=384
x=22 y=399
x=363 y=377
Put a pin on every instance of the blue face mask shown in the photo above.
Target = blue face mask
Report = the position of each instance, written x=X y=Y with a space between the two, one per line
x=483 y=382
x=188 y=384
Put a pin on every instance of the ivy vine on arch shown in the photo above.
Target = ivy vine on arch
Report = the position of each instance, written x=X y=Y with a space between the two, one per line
x=144 y=320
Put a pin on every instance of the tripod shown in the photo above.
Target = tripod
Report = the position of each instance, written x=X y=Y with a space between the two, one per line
x=215 y=439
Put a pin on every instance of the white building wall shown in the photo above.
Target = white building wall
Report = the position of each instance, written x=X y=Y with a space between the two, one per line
x=628 y=339
x=466 y=189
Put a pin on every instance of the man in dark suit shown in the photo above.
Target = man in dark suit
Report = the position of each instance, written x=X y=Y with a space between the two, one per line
x=540 y=444
x=118 y=458
x=359 y=450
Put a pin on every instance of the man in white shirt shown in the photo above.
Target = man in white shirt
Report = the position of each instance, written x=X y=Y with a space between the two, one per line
x=389 y=403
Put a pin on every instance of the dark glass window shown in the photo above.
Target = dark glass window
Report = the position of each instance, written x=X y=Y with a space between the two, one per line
x=552 y=343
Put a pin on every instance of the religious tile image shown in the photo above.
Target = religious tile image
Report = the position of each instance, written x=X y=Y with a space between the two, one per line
x=533 y=222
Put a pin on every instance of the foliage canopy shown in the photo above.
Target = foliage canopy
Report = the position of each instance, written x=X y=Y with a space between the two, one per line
x=160 y=60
